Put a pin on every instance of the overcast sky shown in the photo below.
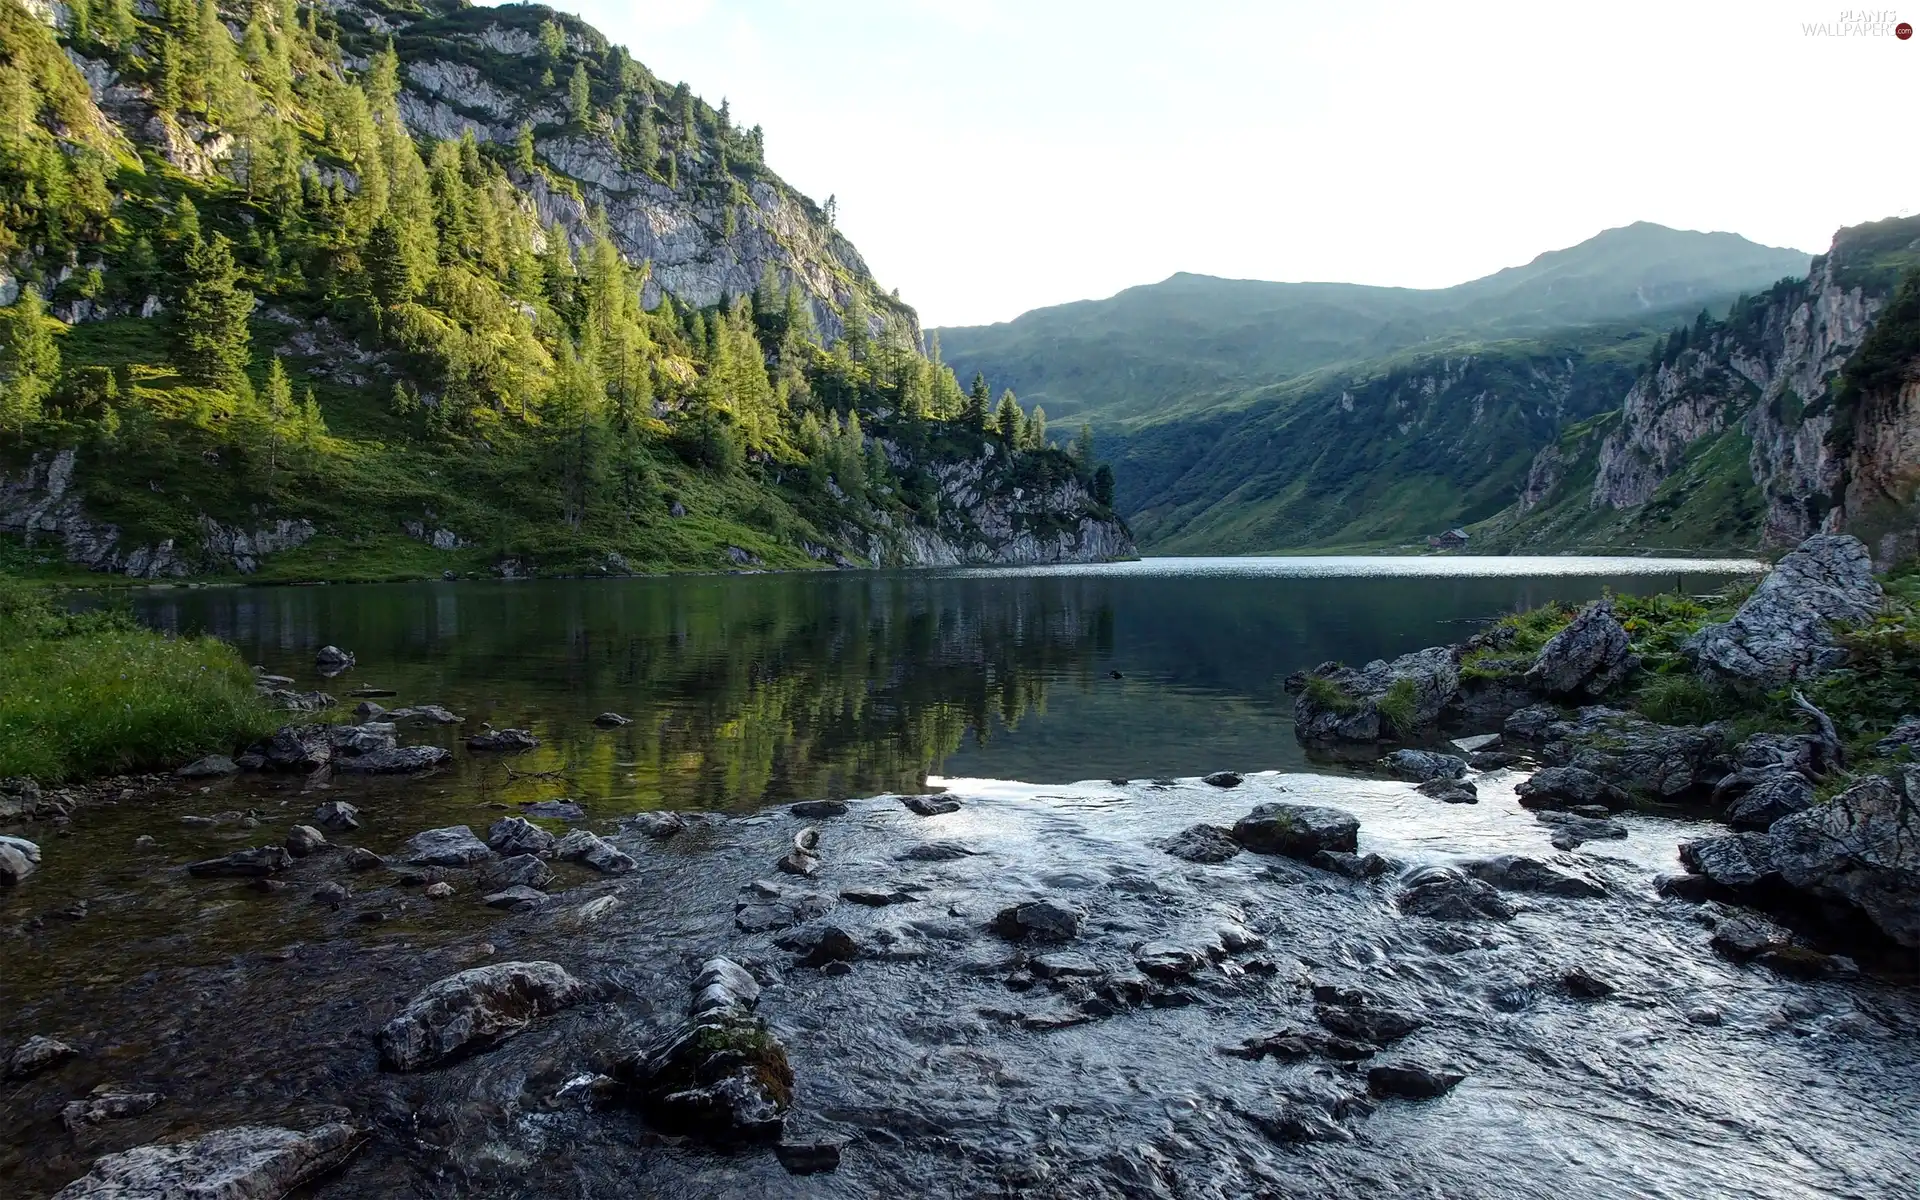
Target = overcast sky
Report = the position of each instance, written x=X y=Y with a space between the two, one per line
x=993 y=156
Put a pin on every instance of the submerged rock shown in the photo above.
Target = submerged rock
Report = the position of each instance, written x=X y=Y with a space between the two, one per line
x=808 y=1158
x=930 y=806
x=612 y=720
x=449 y=846
x=1518 y=873
x=721 y=1076
x=1419 y=766
x=1450 y=894
x=297 y=748
x=1783 y=632
x=1411 y=1081
x=475 y=1009
x=1571 y=830
x=595 y=851
x=1587 y=659
x=516 y=897
x=940 y=850
x=1202 y=844
x=1450 y=791
x=303 y=840
x=1047 y=919
x=255 y=862
x=80 y=1115
x=337 y=815
x=510 y=740
x=38 y=1054
x=1222 y=779
x=333 y=658
x=813 y=810
x=250 y=1162
x=1364 y=1023
x=1297 y=830
x=393 y=760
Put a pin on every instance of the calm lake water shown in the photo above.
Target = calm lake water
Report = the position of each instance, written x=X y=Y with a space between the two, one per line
x=747 y=690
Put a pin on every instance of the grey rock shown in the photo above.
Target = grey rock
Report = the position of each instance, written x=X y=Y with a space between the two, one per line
x=1564 y=787
x=26 y=849
x=819 y=945
x=255 y=862
x=1420 y=766
x=611 y=720
x=432 y=714
x=362 y=859
x=1745 y=936
x=81 y=1115
x=1365 y=1023
x=210 y=767
x=511 y=836
x=249 y=1162
x=1587 y=659
x=558 y=810
x=877 y=897
x=523 y=870
x=332 y=658
x=1736 y=861
x=1533 y=723
x=1222 y=779
x=940 y=850
x=799 y=862
x=1450 y=791
x=15 y=866
x=1664 y=762
x=595 y=851
x=303 y=840
x=1583 y=985
x=1411 y=1081
x=367 y=710
x=1784 y=630
x=1297 y=830
x=331 y=894
x=808 y=1158
x=439 y=890
x=1353 y=866
x=337 y=815
x=930 y=806
x=1303 y=1124
x=1518 y=873
x=658 y=825
x=516 y=898
x=298 y=748
x=1493 y=760
x=38 y=1054
x=474 y=1009
x=1903 y=736
x=1780 y=794
x=1046 y=919
x=449 y=846
x=1169 y=960
x=398 y=760
x=813 y=810
x=723 y=987
x=369 y=737
x=1449 y=894
x=1475 y=744
x=1860 y=848
x=1571 y=830
x=721 y=1076
x=1202 y=843
x=506 y=740
x=1432 y=676
x=1063 y=964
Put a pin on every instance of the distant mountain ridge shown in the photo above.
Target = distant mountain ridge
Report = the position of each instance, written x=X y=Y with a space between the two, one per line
x=1192 y=341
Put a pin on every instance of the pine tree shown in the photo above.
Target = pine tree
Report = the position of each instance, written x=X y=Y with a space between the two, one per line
x=388 y=271
x=523 y=149
x=974 y=415
x=647 y=147
x=210 y=343
x=1009 y=421
x=580 y=94
x=1083 y=447
x=553 y=40
x=1037 y=429
x=29 y=360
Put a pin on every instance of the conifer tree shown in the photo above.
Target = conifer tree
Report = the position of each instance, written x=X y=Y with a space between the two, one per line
x=580 y=94
x=523 y=148
x=210 y=342
x=1037 y=429
x=974 y=415
x=1009 y=421
x=1083 y=447
x=647 y=145
x=29 y=360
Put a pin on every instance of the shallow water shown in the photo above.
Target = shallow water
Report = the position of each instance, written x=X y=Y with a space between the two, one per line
x=250 y=1007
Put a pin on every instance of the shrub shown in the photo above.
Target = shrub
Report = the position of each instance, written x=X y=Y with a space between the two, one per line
x=1397 y=706
x=1680 y=699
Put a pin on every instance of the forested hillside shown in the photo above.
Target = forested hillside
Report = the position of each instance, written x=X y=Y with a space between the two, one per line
x=375 y=289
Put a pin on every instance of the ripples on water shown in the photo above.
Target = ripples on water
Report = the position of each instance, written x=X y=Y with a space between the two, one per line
x=249 y=1007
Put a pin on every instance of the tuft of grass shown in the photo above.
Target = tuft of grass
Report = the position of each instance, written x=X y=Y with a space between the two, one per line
x=1682 y=699
x=95 y=693
x=1397 y=705
x=1327 y=694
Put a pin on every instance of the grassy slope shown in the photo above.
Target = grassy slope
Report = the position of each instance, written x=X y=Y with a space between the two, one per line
x=93 y=694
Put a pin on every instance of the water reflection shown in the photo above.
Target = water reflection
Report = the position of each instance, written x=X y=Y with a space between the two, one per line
x=748 y=690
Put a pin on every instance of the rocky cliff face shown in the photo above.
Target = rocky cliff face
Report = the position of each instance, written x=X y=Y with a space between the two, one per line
x=1744 y=414
x=987 y=516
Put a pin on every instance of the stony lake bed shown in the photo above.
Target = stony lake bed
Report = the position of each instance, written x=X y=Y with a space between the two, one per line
x=976 y=987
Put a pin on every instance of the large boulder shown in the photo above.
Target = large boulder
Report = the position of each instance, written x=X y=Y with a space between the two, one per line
x=1518 y=873
x=475 y=1009
x=1586 y=659
x=1383 y=699
x=1861 y=848
x=1778 y=794
x=1737 y=862
x=1783 y=632
x=297 y=748
x=1450 y=894
x=1297 y=830
x=251 y=1162
x=595 y=851
x=512 y=836
x=1568 y=787
x=1662 y=762
x=721 y=1075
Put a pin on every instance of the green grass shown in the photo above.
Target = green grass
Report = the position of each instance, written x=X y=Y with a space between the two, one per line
x=1397 y=705
x=94 y=693
x=1327 y=694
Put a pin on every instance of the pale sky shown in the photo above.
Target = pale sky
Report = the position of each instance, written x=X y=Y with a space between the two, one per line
x=993 y=156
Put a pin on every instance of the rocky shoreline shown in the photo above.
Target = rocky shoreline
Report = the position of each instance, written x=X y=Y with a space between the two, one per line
x=1468 y=960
